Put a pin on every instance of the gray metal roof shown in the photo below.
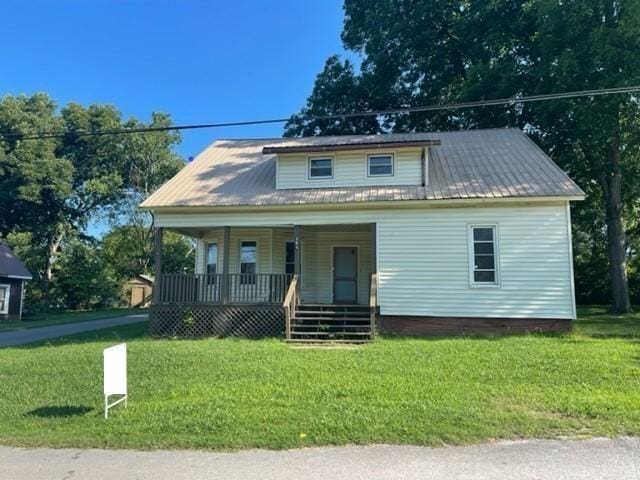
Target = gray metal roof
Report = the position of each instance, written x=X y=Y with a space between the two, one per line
x=497 y=163
x=10 y=265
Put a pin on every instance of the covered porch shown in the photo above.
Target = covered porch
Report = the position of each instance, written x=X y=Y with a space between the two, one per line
x=256 y=281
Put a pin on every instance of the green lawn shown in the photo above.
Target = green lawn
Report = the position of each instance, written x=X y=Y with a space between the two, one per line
x=230 y=394
x=67 y=316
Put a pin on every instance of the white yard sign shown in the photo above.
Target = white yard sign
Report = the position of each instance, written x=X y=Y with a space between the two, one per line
x=115 y=375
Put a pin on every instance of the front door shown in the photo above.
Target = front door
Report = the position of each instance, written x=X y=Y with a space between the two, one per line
x=345 y=275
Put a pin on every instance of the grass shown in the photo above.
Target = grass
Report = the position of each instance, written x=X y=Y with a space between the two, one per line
x=66 y=316
x=233 y=394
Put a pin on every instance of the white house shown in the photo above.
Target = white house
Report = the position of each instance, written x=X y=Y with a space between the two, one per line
x=331 y=237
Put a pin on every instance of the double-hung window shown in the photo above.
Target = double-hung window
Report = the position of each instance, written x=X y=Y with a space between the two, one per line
x=483 y=253
x=212 y=262
x=248 y=261
x=380 y=165
x=320 y=167
x=4 y=298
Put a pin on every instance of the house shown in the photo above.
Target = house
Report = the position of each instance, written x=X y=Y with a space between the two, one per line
x=139 y=290
x=13 y=275
x=334 y=237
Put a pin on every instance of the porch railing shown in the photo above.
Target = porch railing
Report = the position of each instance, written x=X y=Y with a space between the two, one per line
x=184 y=288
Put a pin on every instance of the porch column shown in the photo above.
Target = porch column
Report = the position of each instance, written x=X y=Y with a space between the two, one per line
x=374 y=249
x=297 y=238
x=157 y=258
x=226 y=244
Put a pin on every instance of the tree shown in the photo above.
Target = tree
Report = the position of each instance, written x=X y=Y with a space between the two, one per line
x=128 y=249
x=52 y=187
x=425 y=52
x=83 y=278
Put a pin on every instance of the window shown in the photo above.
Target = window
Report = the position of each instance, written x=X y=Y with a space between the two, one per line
x=4 y=298
x=248 y=258
x=482 y=254
x=320 y=167
x=212 y=262
x=290 y=257
x=380 y=165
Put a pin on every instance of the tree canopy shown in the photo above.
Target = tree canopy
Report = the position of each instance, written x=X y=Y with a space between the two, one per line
x=51 y=188
x=428 y=52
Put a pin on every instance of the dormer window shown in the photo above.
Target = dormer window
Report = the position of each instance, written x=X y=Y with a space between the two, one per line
x=320 y=167
x=380 y=165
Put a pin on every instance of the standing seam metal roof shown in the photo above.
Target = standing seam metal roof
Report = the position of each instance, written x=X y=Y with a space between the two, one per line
x=482 y=164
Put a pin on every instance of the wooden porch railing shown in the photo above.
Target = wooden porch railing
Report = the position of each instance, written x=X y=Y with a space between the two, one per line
x=373 y=302
x=197 y=288
x=289 y=305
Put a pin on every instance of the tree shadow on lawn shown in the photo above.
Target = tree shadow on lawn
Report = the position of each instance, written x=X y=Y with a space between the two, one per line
x=59 y=411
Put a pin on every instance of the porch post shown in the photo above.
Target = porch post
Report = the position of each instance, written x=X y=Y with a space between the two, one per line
x=374 y=249
x=157 y=257
x=297 y=238
x=226 y=244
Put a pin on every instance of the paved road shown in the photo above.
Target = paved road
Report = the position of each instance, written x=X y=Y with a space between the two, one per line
x=30 y=335
x=600 y=459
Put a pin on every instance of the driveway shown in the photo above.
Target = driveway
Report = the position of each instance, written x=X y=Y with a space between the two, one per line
x=30 y=335
x=600 y=459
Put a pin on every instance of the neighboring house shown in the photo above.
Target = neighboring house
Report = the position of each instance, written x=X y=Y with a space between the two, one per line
x=139 y=289
x=13 y=275
x=415 y=233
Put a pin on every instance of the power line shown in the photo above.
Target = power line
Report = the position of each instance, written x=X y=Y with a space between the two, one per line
x=375 y=113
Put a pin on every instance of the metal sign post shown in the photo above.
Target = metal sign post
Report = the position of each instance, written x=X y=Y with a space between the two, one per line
x=115 y=375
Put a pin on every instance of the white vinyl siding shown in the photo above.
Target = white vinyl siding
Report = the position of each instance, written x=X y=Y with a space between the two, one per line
x=423 y=255
x=260 y=235
x=317 y=258
x=350 y=168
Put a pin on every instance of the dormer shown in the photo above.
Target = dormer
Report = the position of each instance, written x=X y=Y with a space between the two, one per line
x=350 y=161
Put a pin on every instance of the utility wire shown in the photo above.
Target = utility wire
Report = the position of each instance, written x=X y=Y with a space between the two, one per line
x=394 y=111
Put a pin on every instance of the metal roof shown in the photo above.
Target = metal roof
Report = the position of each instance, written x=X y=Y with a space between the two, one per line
x=481 y=164
x=10 y=265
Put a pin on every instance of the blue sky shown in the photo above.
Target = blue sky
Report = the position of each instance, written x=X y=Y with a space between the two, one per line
x=200 y=61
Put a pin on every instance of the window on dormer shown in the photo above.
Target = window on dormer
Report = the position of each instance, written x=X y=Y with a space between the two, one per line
x=380 y=165
x=321 y=167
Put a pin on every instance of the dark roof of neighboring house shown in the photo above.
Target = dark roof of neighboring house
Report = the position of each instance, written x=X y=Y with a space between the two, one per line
x=471 y=164
x=10 y=265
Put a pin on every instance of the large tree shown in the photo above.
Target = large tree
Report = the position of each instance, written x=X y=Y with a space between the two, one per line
x=425 y=52
x=51 y=188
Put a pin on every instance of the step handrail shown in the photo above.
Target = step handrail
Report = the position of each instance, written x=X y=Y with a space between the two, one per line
x=373 y=302
x=289 y=305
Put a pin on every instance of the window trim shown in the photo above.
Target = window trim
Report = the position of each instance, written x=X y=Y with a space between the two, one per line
x=286 y=242
x=380 y=154
x=471 y=256
x=208 y=243
x=321 y=157
x=5 y=311
x=240 y=262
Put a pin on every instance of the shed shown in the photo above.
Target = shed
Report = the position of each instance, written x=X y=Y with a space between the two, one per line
x=139 y=290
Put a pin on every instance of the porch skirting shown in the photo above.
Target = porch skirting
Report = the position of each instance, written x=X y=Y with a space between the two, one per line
x=409 y=325
x=201 y=320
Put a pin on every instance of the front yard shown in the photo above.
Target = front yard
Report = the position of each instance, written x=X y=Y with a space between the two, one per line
x=229 y=394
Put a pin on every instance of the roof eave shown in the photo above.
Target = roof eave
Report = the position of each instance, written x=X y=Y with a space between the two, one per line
x=342 y=147
x=371 y=203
